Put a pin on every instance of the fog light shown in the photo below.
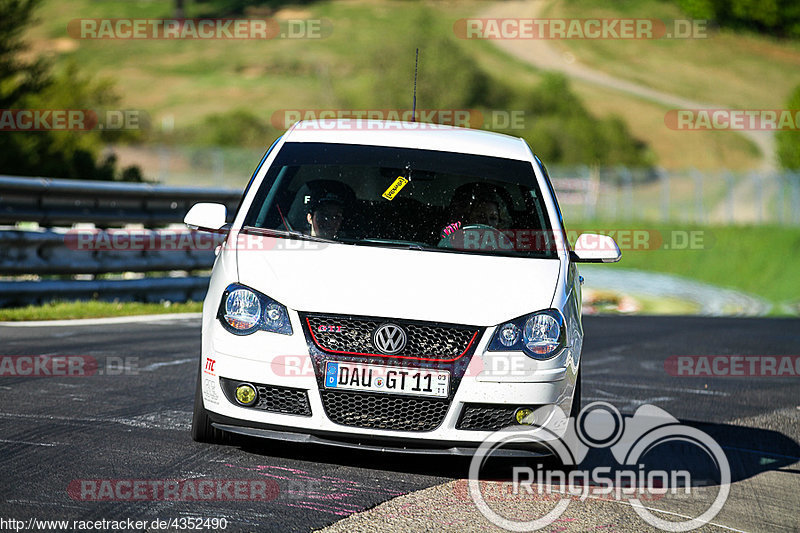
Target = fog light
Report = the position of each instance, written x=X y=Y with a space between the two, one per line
x=245 y=394
x=525 y=416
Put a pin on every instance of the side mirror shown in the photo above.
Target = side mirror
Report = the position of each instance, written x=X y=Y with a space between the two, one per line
x=594 y=248
x=206 y=217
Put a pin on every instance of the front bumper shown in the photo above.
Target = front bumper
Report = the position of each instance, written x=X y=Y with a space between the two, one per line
x=264 y=358
x=369 y=443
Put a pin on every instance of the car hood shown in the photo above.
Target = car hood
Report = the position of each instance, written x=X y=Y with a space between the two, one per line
x=397 y=283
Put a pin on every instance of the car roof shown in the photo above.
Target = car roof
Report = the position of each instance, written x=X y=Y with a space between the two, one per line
x=409 y=135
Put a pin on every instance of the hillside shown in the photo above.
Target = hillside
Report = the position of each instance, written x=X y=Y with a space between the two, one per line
x=180 y=84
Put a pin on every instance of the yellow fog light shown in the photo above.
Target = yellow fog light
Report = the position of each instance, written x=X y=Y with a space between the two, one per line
x=524 y=416
x=245 y=394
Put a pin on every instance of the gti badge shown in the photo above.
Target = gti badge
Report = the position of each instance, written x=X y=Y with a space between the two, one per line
x=389 y=339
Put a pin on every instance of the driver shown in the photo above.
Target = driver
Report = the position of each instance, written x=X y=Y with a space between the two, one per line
x=486 y=212
x=473 y=205
x=325 y=215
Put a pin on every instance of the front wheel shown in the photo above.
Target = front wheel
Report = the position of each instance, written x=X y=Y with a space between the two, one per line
x=202 y=430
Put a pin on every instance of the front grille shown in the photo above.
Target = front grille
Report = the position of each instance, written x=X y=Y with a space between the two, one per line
x=338 y=334
x=486 y=417
x=384 y=411
x=285 y=400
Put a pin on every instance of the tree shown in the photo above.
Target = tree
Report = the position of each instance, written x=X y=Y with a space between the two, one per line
x=31 y=84
x=772 y=17
x=18 y=77
x=788 y=141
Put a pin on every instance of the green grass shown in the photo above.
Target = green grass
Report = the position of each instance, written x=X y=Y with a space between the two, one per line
x=189 y=80
x=733 y=69
x=61 y=310
x=674 y=149
x=664 y=306
x=730 y=69
x=759 y=260
x=605 y=301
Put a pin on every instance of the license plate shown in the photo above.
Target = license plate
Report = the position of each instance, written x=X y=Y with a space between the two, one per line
x=393 y=379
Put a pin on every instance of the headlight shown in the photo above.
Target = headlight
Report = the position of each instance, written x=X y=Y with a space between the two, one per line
x=540 y=335
x=244 y=311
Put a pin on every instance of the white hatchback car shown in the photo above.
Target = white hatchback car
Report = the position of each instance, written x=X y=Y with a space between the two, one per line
x=391 y=286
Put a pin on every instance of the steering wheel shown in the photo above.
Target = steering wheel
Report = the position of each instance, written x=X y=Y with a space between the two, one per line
x=477 y=237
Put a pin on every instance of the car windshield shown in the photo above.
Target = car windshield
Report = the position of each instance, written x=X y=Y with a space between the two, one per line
x=402 y=197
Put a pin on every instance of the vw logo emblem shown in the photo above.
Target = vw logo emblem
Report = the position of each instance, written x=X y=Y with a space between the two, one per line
x=389 y=338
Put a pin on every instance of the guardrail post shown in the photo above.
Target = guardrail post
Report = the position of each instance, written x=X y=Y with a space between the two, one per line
x=665 y=186
x=729 y=186
x=699 y=215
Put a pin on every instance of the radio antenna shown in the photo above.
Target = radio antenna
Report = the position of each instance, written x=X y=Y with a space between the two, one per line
x=414 y=101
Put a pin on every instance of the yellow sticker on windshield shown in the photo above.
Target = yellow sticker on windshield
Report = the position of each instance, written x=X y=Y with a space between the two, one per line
x=395 y=188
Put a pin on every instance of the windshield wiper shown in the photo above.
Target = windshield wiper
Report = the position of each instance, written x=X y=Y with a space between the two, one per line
x=284 y=233
x=403 y=245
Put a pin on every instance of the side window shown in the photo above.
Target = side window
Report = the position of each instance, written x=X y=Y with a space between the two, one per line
x=255 y=173
x=553 y=193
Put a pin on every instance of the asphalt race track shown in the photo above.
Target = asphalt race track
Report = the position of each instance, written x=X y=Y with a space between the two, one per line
x=130 y=420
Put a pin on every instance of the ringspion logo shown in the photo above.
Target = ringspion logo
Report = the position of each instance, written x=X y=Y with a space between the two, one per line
x=599 y=425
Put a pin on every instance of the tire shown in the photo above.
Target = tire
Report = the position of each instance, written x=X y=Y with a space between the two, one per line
x=202 y=430
x=576 y=398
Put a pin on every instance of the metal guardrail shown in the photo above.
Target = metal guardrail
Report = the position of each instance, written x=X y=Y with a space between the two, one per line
x=14 y=293
x=59 y=250
x=55 y=202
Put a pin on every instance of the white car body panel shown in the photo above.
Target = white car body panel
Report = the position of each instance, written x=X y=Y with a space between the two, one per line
x=387 y=282
x=344 y=279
